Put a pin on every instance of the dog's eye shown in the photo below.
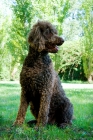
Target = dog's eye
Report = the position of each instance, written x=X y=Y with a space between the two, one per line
x=47 y=32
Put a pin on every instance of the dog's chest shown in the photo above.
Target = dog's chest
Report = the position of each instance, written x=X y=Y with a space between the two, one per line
x=38 y=74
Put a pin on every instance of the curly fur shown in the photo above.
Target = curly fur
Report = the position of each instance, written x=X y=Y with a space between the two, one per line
x=40 y=85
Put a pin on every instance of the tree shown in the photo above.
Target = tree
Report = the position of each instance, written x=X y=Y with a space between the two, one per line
x=60 y=10
x=87 y=25
x=26 y=12
x=21 y=22
x=4 y=37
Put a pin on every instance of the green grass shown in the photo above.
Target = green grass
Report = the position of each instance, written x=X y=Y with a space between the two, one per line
x=82 y=128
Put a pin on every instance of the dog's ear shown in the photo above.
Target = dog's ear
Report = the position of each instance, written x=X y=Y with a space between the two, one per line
x=36 y=39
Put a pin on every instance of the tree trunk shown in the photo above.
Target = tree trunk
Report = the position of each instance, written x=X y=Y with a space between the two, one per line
x=90 y=78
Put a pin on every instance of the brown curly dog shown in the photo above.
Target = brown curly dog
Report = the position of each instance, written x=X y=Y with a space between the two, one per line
x=40 y=85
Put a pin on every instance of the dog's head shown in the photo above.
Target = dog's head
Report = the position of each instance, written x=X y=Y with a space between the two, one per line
x=43 y=37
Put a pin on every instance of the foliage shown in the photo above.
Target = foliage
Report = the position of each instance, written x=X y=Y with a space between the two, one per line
x=19 y=29
x=25 y=13
x=70 y=21
x=4 y=52
x=68 y=62
x=17 y=43
x=82 y=127
x=87 y=24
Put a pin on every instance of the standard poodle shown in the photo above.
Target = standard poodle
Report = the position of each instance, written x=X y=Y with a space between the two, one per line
x=40 y=84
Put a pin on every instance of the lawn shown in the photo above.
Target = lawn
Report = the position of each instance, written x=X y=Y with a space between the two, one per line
x=82 y=128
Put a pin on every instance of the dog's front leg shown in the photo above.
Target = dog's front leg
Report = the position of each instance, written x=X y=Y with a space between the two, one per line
x=44 y=109
x=22 y=110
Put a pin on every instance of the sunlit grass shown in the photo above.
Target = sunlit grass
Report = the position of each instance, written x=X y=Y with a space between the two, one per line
x=82 y=128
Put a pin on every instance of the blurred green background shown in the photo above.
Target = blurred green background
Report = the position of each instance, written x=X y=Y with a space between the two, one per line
x=74 y=22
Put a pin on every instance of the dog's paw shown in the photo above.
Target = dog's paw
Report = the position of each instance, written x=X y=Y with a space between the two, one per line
x=64 y=125
x=17 y=123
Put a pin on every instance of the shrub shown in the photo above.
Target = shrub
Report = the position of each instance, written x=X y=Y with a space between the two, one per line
x=68 y=62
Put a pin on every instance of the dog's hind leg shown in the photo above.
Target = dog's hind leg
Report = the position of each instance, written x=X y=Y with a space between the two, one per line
x=22 y=109
x=64 y=114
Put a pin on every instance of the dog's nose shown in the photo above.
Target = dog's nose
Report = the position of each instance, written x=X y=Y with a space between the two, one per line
x=61 y=41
